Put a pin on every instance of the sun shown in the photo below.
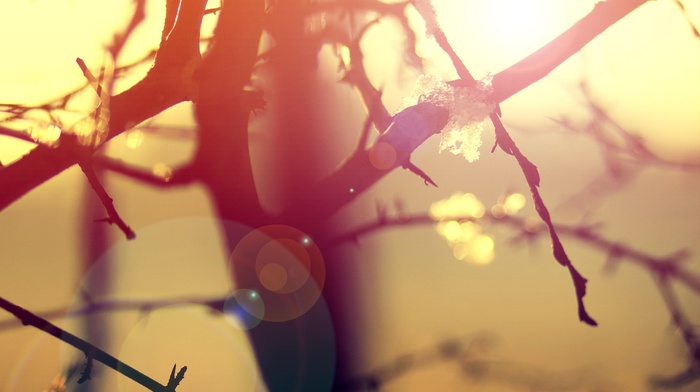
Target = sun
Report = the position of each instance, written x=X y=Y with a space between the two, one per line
x=501 y=32
x=518 y=25
x=515 y=19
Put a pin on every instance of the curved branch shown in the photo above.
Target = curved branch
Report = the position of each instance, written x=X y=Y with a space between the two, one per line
x=537 y=65
x=165 y=85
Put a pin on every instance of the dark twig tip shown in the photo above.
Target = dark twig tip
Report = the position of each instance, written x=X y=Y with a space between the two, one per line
x=420 y=173
x=175 y=380
x=85 y=374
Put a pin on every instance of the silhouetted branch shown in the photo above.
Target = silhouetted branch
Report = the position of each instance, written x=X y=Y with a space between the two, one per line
x=668 y=266
x=222 y=108
x=453 y=349
x=532 y=176
x=216 y=304
x=624 y=153
x=19 y=135
x=86 y=374
x=357 y=173
x=165 y=85
x=664 y=269
x=356 y=76
x=28 y=318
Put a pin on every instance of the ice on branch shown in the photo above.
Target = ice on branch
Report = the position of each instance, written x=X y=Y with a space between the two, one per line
x=468 y=107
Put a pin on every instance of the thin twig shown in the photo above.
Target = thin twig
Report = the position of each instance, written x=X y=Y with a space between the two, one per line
x=664 y=269
x=180 y=176
x=617 y=250
x=19 y=135
x=107 y=202
x=215 y=304
x=532 y=176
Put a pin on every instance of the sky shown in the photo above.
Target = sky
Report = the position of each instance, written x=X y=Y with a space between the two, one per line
x=518 y=310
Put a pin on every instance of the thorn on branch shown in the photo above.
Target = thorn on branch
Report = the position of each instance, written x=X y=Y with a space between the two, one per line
x=175 y=380
x=420 y=173
x=212 y=10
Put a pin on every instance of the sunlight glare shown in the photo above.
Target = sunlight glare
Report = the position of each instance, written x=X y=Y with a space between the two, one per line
x=452 y=231
x=514 y=203
x=476 y=251
x=513 y=24
x=481 y=249
x=462 y=205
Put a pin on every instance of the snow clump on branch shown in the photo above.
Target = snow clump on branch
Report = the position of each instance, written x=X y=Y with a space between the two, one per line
x=468 y=107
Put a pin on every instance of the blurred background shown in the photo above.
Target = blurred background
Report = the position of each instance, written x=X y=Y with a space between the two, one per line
x=496 y=314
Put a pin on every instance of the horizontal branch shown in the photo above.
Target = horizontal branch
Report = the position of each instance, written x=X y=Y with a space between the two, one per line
x=119 y=305
x=618 y=251
x=19 y=135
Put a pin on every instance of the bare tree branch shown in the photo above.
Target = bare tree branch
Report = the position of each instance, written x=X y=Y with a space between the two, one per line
x=165 y=85
x=90 y=351
x=107 y=202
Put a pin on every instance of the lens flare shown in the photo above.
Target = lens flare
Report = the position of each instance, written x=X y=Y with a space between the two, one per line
x=382 y=156
x=244 y=309
x=284 y=266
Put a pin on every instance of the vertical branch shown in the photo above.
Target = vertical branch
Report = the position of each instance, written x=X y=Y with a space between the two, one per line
x=222 y=160
x=507 y=144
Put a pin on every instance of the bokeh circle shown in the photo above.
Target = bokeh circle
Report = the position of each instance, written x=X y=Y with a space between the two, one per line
x=284 y=266
x=244 y=309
